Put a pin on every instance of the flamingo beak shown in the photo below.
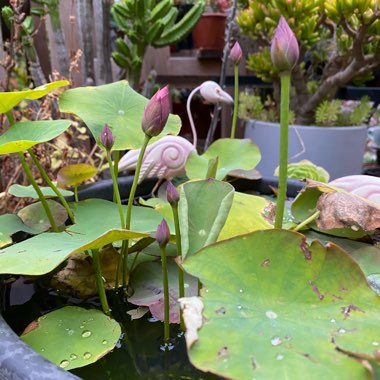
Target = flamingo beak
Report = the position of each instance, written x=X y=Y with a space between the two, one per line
x=224 y=97
x=214 y=94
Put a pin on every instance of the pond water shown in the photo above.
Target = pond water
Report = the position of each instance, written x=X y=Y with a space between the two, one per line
x=139 y=353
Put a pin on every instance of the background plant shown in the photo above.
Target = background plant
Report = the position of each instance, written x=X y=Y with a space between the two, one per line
x=339 y=41
x=148 y=23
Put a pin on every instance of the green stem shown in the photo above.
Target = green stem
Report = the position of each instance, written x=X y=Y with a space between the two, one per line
x=41 y=197
x=52 y=186
x=284 y=126
x=181 y=274
x=165 y=283
x=310 y=219
x=116 y=189
x=10 y=118
x=236 y=101
x=76 y=194
x=116 y=158
x=124 y=248
x=99 y=282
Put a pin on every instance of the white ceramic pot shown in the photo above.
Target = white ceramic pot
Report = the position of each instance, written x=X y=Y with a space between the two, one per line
x=339 y=150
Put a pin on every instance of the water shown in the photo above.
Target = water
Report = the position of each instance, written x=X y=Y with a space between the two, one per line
x=139 y=354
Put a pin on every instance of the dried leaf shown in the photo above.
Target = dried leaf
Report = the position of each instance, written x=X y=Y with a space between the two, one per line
x=138 y=313
x=342 y=210
x=192 y=308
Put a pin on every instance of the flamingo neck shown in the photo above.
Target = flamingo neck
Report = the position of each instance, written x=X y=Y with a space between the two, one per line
x=189 y=115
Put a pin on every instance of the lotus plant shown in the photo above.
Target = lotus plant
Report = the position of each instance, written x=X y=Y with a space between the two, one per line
x=257 y=274
x=284 y=52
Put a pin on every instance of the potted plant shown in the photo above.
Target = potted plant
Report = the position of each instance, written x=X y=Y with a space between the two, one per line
x=146 y=24
x=241 y=264
x=338 y=43
x=208 y=33
x=340 y=127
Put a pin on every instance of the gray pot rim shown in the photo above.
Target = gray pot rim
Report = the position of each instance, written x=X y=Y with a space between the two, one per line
x=256 y=122
x=20 y=362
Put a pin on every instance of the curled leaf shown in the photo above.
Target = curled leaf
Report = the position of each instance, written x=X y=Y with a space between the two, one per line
x=342 y=210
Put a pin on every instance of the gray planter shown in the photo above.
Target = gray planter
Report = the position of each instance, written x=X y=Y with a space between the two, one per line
x=19 y=362
x=339 y=150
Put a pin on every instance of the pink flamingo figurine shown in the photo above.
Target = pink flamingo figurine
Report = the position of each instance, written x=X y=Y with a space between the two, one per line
x=166 y=158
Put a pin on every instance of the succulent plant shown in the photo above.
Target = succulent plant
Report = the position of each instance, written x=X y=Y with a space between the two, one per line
x=339 y=42
x=148 y=22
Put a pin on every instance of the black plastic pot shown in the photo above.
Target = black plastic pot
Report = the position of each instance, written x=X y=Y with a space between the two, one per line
x=17 y=360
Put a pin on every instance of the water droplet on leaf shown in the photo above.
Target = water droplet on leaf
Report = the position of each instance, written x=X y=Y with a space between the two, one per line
x=280 y=357
x=202 y=233
x=271 y=314
x=276 y=341
x=104 y=342
x=121 y=112
x=87 y=355
x=73 y=357
x=86 y=334
x=64 y=363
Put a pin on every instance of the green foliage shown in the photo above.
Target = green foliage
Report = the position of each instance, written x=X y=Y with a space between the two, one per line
x=148 y=23
x=204 y=207
x=252 y=106
x=287 y=307
x=327 y=112
x=72 y=336
x=231 y=154
x=117 y=105
x=331 y=33
x=24 y=135
x=338 y=113
x=95 y=227
x=306 y=169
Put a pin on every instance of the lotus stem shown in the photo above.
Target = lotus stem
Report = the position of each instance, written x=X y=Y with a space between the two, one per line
x=165 y=283
x=99 y=282
x=181 y=274
x=116 y=192
x=52 y=186
x=76 y=194
x=236 y=100
x=116 y=158
x=310 y=219
x=36 y=188
x=284 y=126
x=132 y=193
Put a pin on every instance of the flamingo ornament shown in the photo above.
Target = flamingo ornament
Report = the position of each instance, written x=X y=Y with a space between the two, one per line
x=166 y=158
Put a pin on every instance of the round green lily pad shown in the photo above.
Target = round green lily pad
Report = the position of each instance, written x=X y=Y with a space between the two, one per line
x=73 y=337
x=277 y=308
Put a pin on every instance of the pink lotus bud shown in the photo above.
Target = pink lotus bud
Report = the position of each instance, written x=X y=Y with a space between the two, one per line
x=172 y=194
x=236 y=53
x=163 y=234
x=284 y=48
x=106 y=138
x=156 y=113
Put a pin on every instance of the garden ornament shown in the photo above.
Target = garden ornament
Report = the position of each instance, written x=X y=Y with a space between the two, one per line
x=166 y=158
x=365 y=186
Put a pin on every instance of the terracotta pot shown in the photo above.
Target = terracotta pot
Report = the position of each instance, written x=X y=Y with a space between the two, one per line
x=209 y=32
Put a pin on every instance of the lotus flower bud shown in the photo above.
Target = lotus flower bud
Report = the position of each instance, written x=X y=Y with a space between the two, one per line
x=172 y=194
x=163 y=234
x=236 y=53
x=156 y=113
x=106 y=138
x=284 y=48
